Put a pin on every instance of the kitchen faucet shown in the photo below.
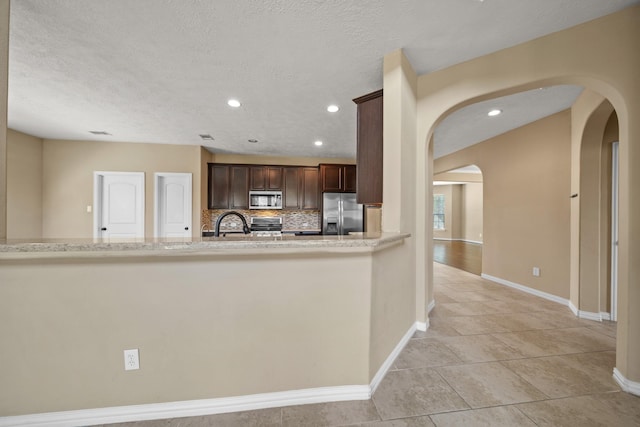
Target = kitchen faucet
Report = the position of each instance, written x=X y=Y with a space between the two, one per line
x=245 y=227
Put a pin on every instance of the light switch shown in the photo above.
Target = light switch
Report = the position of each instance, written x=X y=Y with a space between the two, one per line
x=89 y=209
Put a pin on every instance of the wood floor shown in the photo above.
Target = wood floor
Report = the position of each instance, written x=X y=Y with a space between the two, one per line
x=463 y=255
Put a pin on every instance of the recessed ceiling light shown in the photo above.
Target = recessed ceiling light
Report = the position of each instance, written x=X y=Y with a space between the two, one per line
x=318 y=143
x=233 y=103
x=333 y=108
x=494 y=113
x=206 y=137
x=253 y=141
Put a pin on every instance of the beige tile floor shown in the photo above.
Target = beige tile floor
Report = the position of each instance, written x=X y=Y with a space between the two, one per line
x=492 y=356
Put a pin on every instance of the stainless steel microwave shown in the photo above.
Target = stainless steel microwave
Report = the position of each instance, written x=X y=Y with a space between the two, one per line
x=265 y=199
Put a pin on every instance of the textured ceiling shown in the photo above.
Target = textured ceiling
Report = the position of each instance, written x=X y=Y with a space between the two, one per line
x=162 y=70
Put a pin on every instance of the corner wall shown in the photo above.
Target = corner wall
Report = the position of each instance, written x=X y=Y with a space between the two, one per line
x=24 y=186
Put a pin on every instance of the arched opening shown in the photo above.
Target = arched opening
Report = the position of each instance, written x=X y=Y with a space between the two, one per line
x=458 y=218
x=415 y=105
x=597 y=205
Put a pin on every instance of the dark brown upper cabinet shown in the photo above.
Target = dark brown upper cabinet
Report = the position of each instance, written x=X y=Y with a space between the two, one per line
x=218 y=178
x=239 y=187
x=310 y=188
x=292 y=191
x=337 y=178
x=266 y=178
x=369 y=154
x=228 y=186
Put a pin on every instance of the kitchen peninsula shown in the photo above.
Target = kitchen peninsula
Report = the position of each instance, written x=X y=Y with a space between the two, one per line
x=221 y=324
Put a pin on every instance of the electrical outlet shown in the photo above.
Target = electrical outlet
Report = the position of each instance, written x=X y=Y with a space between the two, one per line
x=131 y=360
x=536 y=271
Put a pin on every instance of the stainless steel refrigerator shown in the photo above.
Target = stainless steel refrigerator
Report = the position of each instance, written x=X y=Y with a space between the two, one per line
x=341 y=214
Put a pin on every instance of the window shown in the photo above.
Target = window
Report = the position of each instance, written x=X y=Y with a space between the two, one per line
x=438 y=211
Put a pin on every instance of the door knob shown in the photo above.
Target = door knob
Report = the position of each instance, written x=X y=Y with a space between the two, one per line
x=104 y=229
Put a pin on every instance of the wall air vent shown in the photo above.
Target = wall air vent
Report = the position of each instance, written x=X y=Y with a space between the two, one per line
x=206 y=137
x=99 y=132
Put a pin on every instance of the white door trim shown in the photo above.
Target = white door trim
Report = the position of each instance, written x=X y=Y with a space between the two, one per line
x=98 y=178
x=156 y=199
x=614 y=229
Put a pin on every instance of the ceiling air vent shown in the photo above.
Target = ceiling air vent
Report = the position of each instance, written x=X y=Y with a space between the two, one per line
x=99 y=132
x=206 y=137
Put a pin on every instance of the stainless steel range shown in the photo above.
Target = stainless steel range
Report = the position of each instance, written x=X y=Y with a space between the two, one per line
x=266 y=226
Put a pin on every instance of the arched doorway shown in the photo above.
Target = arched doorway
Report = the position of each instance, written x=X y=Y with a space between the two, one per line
x=414 y=106
x=458 y=218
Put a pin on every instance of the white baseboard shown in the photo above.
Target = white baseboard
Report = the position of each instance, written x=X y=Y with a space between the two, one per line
x=192 y=408
x=598 y=317
x=589 y=315
x=422 y=326
x=574 y=309
x=529 y=290
x=626 y=385
x=431 y=306
x=458 y=240
x=375 y=382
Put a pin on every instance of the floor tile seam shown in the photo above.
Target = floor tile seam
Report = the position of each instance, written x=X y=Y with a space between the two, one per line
x=523 y=379
x=454 y=390
x=561 y=354
x=552 y=397
x=554 y=355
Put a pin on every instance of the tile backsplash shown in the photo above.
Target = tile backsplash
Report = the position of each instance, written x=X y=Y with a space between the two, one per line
x=291 y=219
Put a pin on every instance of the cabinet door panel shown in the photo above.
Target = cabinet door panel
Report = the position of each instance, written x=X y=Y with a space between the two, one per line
x=292 y=188
x=350 y=178
x=311 y=188
x=239 y=198
x=218 y=186
x=274 y=178
x=331 y=178
x=258 y=178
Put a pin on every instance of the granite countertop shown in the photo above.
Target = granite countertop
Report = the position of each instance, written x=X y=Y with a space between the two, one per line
x=228 y=245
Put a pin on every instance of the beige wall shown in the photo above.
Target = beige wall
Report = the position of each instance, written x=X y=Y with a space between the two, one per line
x=472 y=212
x=206 y=326
x=392 y=305
x=526 y=177
x=68 y=168
x=400 y=185
x=4 y=78
x=24 y=186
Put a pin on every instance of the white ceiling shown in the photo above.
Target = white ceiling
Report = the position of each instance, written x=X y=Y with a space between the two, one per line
x=471 y=124
x=162 y=70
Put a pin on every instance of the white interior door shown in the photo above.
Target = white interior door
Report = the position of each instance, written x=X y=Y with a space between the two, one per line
x=172 y=205
x=119 y=205
x=614 y=232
